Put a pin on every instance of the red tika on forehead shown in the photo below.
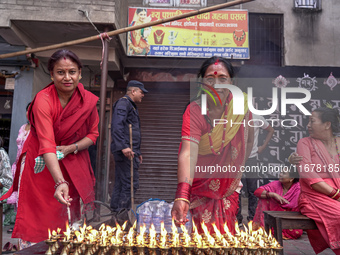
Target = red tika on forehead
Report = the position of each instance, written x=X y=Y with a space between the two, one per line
x=217 y=60
x=215 y=72
x=64 y=58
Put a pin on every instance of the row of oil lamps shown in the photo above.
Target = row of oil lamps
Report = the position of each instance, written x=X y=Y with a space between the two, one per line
x=115 y=240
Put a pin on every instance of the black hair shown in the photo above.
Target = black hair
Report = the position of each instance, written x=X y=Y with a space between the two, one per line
x=214 y=60
x=63 y=54
x=28 y=105
x=139 y=10
x=332 y=115
x=292 y=171
x=1 y=142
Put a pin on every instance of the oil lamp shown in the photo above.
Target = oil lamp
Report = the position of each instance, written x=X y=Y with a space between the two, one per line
x=50 y=242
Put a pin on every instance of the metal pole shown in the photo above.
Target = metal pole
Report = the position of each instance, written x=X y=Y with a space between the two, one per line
x=99 y=161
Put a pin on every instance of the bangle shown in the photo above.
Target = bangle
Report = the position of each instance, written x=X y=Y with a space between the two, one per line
x=332 y=194
x=76 y=151
x=289 y=158
x=182 y=199
x=335 y=195
x=183 y=190
x=59 y=183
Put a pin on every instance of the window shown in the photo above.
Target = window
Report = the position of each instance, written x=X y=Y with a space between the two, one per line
x=159 y=2
x=176 y=3
x=308 y=4
x=265 y=39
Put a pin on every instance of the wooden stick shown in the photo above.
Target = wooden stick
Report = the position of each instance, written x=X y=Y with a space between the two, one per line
x=126 y=29
x=131 y=170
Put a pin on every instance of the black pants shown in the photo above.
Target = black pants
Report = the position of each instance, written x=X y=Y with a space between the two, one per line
x=121 y=195
x=249 y=187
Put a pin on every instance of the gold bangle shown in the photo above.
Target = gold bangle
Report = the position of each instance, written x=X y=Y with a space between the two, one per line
x=182 y=199
x=337 y=192
x=289 y=158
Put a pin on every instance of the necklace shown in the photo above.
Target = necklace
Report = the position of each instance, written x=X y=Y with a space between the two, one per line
x=223 y=135
x=159 y=34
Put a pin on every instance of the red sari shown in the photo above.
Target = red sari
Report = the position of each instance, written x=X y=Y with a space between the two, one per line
x=271 y=204
x=51 y=125
x=213 y=195
x=317 y=206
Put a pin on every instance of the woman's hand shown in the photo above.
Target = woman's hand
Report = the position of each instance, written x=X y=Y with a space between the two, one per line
x=179 y=212
x=66 y=149
x=294 y=158
x=278 y=198
x=61 y=194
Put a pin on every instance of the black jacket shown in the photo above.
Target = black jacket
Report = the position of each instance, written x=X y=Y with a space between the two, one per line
x=124 y=113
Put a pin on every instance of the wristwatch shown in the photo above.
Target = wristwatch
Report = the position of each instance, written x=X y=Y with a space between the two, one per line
x=76 y=151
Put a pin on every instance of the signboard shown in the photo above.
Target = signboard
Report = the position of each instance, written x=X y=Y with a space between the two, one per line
x=221 y=33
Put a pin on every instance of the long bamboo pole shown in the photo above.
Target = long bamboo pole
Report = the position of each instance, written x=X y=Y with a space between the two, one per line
x=126 y=29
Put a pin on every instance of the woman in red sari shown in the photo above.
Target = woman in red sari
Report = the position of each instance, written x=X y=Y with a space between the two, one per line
x=63 y=118
x=281 y=195
x=320 y=178
x=212 y=194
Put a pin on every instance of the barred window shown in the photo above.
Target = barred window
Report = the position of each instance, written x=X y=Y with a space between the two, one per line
x=265 y=39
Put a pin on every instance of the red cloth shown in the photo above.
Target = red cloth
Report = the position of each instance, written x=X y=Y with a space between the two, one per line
x=213 y=196
x=272 y=204
x=317 y=206
x=51 y=125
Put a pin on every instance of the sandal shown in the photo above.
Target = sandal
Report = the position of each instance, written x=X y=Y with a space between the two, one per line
x=9 y=231
x=7 y=247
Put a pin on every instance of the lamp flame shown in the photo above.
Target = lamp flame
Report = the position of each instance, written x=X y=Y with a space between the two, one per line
x=130 y=236
x=140 y=237
x=163 y=235
x=152 y=234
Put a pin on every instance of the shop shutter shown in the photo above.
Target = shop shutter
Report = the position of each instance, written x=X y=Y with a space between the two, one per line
x=161 y=123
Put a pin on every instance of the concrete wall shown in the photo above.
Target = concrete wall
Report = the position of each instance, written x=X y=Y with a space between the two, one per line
x=22 y=95
x=56 y=10
x=122 y=19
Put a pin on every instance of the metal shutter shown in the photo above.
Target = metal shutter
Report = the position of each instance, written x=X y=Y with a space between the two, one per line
x=161 y=123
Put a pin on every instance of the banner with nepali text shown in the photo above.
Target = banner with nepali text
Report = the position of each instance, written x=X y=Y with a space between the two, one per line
x=221 y=33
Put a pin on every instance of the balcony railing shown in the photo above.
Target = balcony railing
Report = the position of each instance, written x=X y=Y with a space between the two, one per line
x=308 y=4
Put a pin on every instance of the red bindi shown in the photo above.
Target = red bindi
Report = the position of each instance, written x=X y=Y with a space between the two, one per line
x=215 y=72
x=64 y=58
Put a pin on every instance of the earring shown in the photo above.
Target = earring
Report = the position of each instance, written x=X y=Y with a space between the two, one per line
x=52 y=79
x=80 y=77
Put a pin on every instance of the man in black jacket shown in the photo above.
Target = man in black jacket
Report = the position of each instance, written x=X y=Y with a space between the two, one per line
x=124 y=113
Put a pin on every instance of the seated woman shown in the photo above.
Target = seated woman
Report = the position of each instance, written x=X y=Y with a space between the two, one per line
x=320 y=178
x=281 y=195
